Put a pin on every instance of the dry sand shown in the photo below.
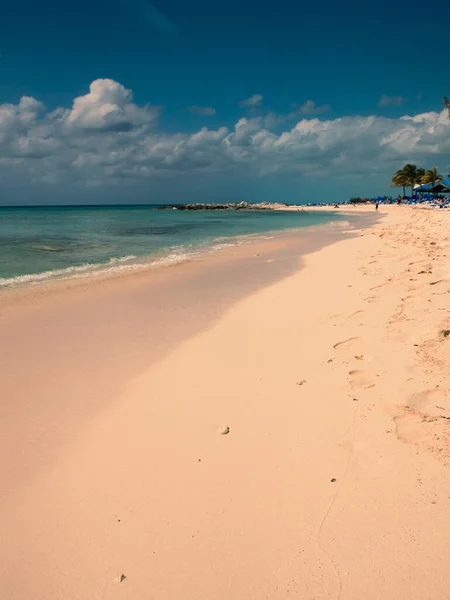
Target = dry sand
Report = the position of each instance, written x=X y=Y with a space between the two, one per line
x=121 y=481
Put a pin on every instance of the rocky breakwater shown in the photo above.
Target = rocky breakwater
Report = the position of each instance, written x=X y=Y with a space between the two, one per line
x=228 y=206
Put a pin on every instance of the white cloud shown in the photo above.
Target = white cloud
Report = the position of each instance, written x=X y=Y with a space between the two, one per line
x=202 y=110
x=391 y=100
x=107 y=106
x=310 y=108
x=105 y=137
x=253 y=101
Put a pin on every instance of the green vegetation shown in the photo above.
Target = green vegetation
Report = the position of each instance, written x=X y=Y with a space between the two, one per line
x=411 y=175
x=432 y=176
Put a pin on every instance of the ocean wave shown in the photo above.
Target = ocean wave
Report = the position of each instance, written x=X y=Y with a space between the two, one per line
x=74 y=271
x=130 y=263
x=114 y=266
x=172 y=256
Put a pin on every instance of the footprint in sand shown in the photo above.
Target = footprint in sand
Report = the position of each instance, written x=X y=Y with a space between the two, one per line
x=429 y=432
x=361 y=380
x=434 y=401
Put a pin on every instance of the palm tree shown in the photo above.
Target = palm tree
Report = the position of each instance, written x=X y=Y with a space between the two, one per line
x=412 y=175
x=446 y=102
x=400 y=180
x=432 y=176
x=420 y=175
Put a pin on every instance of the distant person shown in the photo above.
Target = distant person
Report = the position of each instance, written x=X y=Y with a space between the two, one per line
x=376 y=205
x=399 y=199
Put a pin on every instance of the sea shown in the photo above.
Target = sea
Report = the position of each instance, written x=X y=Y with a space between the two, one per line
x=43 y=243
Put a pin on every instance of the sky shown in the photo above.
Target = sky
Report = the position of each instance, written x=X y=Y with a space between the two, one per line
x=134 y=101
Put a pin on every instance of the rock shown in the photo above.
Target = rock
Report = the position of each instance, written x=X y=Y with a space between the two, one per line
x=228 y=206
x=225 y=430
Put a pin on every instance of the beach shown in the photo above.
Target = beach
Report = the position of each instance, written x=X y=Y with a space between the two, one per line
x=270 y=420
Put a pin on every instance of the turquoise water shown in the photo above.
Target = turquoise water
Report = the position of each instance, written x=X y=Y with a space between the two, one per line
x=42 y=243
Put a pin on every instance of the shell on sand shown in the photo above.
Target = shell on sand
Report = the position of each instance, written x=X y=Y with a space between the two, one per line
x=225 y=430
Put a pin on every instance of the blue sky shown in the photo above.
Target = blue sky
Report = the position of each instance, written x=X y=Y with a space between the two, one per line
x=200 y=100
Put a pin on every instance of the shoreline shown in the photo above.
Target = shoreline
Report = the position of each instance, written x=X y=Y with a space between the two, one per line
x=326 y=361
x=145 y=265
x=129 y=262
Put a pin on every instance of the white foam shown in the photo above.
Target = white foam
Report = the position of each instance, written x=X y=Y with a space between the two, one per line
x=77 y=271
